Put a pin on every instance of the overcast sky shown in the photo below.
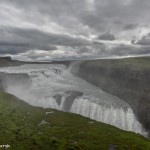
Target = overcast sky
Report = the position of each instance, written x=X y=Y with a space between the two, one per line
x=74 y=29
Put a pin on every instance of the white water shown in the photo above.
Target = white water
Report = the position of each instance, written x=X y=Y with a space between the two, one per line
x=48 y=80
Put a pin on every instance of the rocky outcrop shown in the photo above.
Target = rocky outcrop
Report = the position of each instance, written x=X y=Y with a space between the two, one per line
x=7 y=61
x=69 y=97
x=128 y=79
x=58 y=98
x=13 y=79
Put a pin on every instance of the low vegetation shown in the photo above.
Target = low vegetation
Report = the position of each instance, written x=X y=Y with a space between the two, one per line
x=25 y=127
x=135 y=63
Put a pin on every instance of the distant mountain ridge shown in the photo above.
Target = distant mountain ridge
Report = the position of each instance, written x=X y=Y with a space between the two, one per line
x=7 y=61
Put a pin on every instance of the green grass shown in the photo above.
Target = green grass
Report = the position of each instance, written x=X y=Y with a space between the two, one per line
x=136 y=63
x=19 y=127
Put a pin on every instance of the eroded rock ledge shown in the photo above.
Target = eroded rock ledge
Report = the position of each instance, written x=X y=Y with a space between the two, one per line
x=14 y=79
x=69 y=96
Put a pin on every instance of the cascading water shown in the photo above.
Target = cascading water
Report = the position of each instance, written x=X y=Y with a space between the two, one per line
x=49 y=89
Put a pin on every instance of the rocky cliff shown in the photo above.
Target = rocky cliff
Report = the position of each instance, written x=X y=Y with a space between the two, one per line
x=127 y=78
x=13 y=80
x=7 y=61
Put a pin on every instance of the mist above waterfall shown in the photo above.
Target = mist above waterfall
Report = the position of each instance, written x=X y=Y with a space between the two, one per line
x=47 y=81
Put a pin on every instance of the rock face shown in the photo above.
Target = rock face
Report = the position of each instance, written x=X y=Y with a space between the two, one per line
x=69 y=98
x=128 y=79
x=7 y=61
x=13 y=80
x=58 y=98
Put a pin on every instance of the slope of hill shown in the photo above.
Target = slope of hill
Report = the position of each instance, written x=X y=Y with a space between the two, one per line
x=27 y=127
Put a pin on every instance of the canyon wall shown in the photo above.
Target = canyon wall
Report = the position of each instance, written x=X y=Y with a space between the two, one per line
x=129 y=79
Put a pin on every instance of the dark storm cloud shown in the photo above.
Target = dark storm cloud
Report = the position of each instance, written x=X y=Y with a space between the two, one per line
x=107 y=36
x=23 y=39
x=31 y=36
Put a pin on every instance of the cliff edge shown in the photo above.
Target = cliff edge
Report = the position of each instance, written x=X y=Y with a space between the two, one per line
x=7 y=61
x=127 y=78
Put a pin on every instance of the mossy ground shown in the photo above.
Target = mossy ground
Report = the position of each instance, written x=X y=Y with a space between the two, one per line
x=20 y=128
x=135 y=63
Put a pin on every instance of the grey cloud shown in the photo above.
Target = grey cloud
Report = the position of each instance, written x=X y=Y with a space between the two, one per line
x=122 y=50
x=71 y=20
x=73 y=15
x=90 y=53
x=82 y=50
x=20 y=40
x=40 y=37
x=17 y=48
x=128 y=50
x=107 y=36
x=97 y=42
x=130 y=26
x=145 y=40
x=6 y=49
x=65 y=13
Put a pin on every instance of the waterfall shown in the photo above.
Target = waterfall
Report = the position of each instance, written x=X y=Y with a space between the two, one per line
x=118 y=117
x=49 y=89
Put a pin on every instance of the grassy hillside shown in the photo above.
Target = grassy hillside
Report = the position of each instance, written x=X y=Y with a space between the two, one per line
x=24 y=127
x=139 y=63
